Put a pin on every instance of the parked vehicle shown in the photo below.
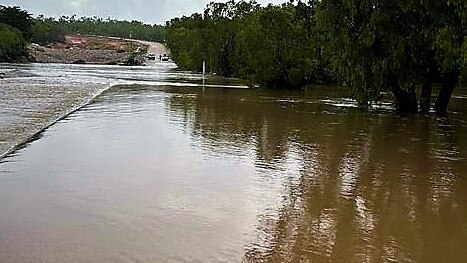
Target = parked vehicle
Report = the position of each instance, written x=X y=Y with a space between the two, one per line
x=151 y=56
x=165 y=57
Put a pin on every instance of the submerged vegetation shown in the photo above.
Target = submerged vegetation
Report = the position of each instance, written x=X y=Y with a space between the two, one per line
x=275 y=46
x=400 y=47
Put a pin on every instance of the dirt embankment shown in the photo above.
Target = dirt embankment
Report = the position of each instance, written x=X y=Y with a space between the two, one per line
x=85 y=49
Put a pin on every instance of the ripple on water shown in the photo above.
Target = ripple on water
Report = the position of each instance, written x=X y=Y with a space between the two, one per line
x=34 y=96
x=188 y=174
x=28 y=107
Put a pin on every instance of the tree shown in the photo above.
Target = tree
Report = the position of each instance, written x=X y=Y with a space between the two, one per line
x=17 y=18
x=11 y=43
x=97 y=26
x=274 y=46
x=186 y=43
x=46 y=31
x=396 y=46
x=15 y=30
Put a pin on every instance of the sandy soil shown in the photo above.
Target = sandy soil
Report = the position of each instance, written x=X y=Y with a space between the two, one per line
x=93 y=50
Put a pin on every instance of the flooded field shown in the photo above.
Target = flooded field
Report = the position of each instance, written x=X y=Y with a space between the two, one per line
x=163 y=169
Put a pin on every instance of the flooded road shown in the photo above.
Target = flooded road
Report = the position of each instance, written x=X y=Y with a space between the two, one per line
x=34 y=96
x=169 y=171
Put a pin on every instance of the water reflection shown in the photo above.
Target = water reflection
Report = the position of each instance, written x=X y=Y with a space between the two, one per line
x=369 y=187
x=33 y=96
x=177 y=173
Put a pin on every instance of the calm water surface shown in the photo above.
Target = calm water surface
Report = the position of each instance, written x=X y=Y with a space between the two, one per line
x=174 y=172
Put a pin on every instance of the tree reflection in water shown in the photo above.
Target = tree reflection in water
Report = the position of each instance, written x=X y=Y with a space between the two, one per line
x=363 y=186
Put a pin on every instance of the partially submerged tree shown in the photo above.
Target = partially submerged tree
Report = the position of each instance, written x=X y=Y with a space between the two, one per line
x=396 y=46
x=275 y=46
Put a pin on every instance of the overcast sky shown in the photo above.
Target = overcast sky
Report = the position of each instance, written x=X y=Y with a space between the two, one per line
x=149 y=11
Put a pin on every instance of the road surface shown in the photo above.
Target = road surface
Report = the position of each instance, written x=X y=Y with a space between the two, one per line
x=155 y=48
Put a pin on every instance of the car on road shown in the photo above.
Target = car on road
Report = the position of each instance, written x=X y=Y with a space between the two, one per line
x=151 y=56
x=165 y=57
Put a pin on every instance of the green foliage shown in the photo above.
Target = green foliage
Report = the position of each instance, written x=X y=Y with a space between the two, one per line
x=11 y=43
x=110 y=27
x=46 y=31
x=50 y=30
x=395 y=46
x=276 y=46
x=22 y=27
x=17 y=18
x=15 y=28
x=375 y=47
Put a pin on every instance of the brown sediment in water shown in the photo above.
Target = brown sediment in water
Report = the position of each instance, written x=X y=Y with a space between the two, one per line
x=186 y=174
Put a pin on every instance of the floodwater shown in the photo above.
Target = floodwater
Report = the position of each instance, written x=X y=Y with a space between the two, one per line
x=170 y=171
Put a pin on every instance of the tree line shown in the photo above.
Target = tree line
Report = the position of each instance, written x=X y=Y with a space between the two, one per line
x=403 y=48
x=18 y=27
x=49 y=29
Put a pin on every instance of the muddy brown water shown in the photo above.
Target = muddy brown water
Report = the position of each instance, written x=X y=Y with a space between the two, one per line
x=180 y=173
